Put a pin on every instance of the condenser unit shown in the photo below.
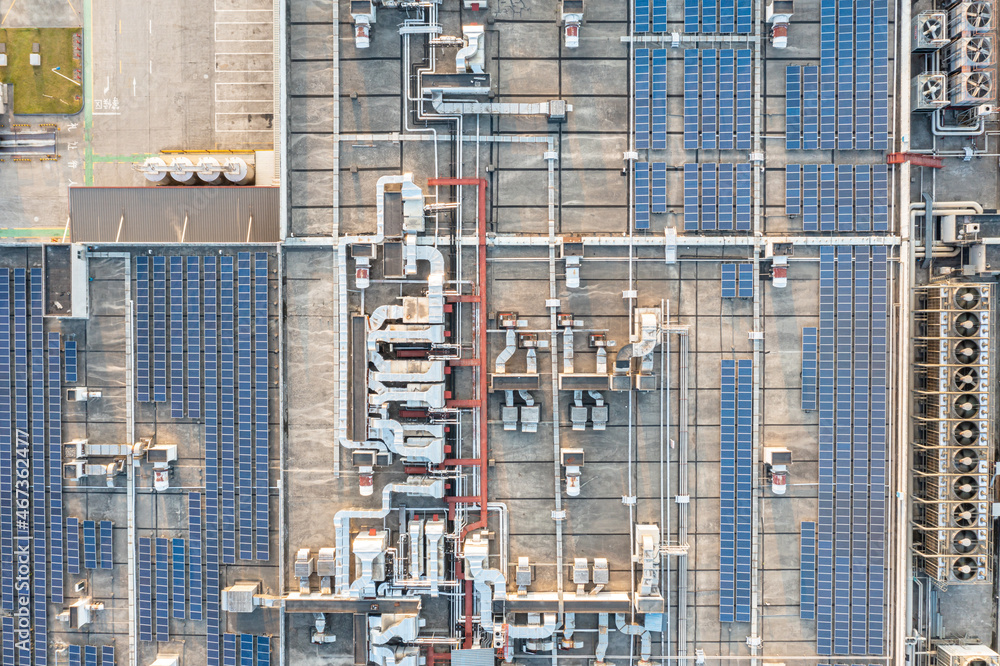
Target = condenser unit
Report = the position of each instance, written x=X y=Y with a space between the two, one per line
x=970 y=53
x=970 y=88
x=966 y=655
x=930 y=31
x=930 y=91
x=969 y=18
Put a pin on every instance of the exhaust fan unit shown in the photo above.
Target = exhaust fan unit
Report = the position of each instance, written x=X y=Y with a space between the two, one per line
x=969 y=18
x=966 y=655
x=970 y=88
x=930 y=31
x=970 y=53
x=930 y=91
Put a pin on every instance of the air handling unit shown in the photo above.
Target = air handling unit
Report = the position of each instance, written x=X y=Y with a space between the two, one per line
x=966 y=655
x=971 y=88
x=970 y=18
x=970 y=53
x=953 y=456
x=930 y=31
x=930 y=91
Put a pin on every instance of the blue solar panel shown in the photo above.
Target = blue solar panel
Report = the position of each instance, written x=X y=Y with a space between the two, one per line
x=658 y=122
x=726 y=197
x=744 y=17
x=90 y=655
x=793 y=189
x=75 y=655
x=863 y=197
x=860 y=452
x=746 y=280
x=178 y=559
x=142 y=352
x=159 y=329
x=842 y=456
x=145 y=556
x=228 y=411
x=880 y=197
x=729 y=277
x=826 y=393
x=690 y=16
x=641 y=183
x=709 y=197
x=793 y=107
x=828 y=75
x=727 y=96
x=108 y=655
x=642 y=99
x=263 y=651
x=246 y=650
x=744 y=197
x=727 y=16
x=7 y=622
x=71 y=361
x=810 y=107
x=177 y=337
x=690 y=99
x=73 y=545
x=90 y=544
x=39 y=515
x=642 y=15
x=23 y=534
x=162 y=590
x=229 y=649
x=211 y=346
x=845 y=197
x=55 y=460
x=709 y=99
x=807 y=571
x=659 y=15
x=744 y=483
x=727 y=484
x=245 y=405
x=690 y=197
x=827 y=197
x=194 y=337
x=743 y=94
x=810 y=197
x=6 y=453
x=810 y=360
x=863 y=75
x=709 y=12
x=880 y=75
x=878 y=452
x=845 y=74
x=194 y=541
x=659 y=187
x=107 y=559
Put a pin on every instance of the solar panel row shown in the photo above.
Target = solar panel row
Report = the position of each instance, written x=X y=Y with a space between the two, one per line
x=721 y=117
x=142 y=353
x=211 y=347
x=6 y=453
x=159 y=332
x=727 y=486
x=227 y=379
x=261 y=414
x=838 y=197
x=854 y=80
x=739 y=17
x=145 y=565
x=39 y=472
x=850 y=566
x=807 y=571
x=178 y=559
x=162 y=559
x=194 y=570
x=55 y=453
x=641 y=121
x=71 y=363
x=809 y=367
x=244 y=356
x=73 y=545
x=641 y=21
x=736 y=489
x=89 y=544
x=725 y=197
x=650 y=129
x=793 y=107
x=177 y=337
x=640 y=180
x=744 y=486
x=658 y=120
x=106 y=536
x=194 y=337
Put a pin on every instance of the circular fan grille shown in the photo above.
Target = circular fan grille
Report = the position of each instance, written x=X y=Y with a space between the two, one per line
x=965 y=568
x=967 y=297
x=966 y=352
x=965 y=515
x=967 y=324
x=966 y=460
x=979 y=15
x=978 y=85
x=965 y=541
x=966 y=433
x=966 y=487
x=966 y=379
x=966 y=406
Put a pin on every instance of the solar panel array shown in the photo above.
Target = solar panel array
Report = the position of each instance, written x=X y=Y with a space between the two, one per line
x=718 y=16
x=850 y=89
x=246 y=650
x=39 y=514
x=853 y=349
x=70 y=360
x=177 y=337
x=809 y=367
x=178 y=560
x=736 y=491
x=162 y=559
x=145 y=566
x=807 y=571
x=86 y=655
x=6 y=454
x=211 y=347
x=725 y=195
x=844 y=197
x=55 y=459
x=718 y=112
x=195 y=595
x=89 y=544
x=142 y=348
x=106 y=535
x=650 y=118
x=262 y=520
x=640 y=180
x=737 y=280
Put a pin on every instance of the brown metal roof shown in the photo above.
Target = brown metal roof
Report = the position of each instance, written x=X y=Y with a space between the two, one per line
x=158 y=214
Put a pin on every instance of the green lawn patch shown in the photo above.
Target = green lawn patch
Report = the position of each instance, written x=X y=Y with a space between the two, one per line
x=39 y=90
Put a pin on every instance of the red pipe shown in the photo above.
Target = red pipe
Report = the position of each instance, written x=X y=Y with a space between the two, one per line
x=481 y=523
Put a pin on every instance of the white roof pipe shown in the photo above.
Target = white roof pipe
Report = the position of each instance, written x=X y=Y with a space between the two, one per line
x=383 y=313
x=500 y=364
x=636 y=630
x=392 y=431
x=431 y=394
x=415 y=485
x=534 y=631
x=391 y=371
x=433 y=334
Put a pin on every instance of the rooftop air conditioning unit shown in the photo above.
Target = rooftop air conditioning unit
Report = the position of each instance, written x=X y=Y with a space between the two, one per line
x=970 y=53
x=930 y=31
x=930 y=91
x=970 y=88
x=971 y=18
x=966 y=655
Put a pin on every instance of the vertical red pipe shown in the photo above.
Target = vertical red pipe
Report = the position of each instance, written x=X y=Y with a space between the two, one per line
x=483 y=360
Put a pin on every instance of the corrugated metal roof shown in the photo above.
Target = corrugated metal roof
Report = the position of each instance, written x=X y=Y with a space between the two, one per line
x=158 y=214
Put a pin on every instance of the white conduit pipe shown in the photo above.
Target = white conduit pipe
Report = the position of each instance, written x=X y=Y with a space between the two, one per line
x=646 y=649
